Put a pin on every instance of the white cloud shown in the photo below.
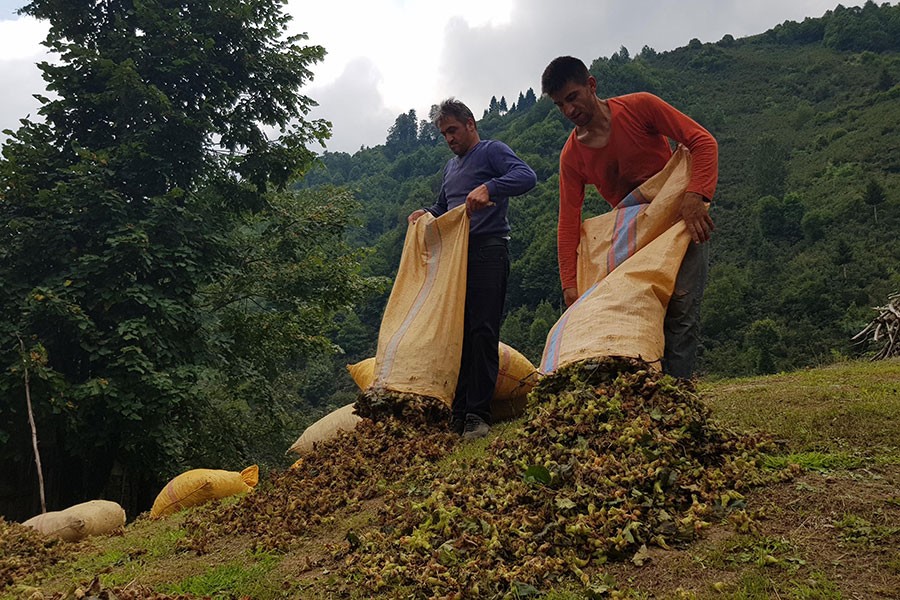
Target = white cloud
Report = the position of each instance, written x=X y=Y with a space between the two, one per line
x=480 y=61
x=388 y=56
x=21 y=38
x=20 y=49
x=8 y=8
x=354 y=105
x=401 y=40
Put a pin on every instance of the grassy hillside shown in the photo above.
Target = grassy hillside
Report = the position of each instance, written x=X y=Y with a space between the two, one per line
x=826 y=528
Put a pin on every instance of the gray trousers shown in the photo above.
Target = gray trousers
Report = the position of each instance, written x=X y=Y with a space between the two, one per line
x=682 y=322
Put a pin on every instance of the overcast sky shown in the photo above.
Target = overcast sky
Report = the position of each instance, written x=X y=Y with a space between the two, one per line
x=388 y=56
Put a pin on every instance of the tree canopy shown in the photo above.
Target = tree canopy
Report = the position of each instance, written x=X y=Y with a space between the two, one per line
x=164 y=289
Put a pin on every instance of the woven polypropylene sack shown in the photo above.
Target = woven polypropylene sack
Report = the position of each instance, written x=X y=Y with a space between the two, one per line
x=516 y=377
x=420 y=340
x=628 y=260
x=95 y=517
x=326 y=428
x=363 y=373
x=202 y=485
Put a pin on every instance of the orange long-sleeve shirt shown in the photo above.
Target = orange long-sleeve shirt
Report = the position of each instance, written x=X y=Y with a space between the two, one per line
x=638 y=148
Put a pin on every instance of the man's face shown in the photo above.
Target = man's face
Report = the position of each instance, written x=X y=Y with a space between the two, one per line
x=458 y=135
x=577 y=101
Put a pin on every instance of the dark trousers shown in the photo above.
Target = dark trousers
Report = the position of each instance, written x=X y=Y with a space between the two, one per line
x=486 y=278
x=682 y=322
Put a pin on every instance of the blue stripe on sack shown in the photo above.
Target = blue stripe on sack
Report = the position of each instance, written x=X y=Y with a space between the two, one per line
x=635 y=198
x=624 y=234
x=551 y=361
x=433 y=248
x=624 y=242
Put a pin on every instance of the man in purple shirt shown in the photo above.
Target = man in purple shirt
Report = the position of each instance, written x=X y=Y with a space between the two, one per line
x=483 y=175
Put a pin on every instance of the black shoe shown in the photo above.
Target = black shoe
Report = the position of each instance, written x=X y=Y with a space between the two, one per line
x=475 y=428
x=457 y=425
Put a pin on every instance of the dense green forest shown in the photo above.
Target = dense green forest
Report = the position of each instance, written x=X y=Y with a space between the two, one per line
x=171 y=298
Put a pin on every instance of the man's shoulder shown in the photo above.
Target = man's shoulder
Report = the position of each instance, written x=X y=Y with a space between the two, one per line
x=635 y=98
x=494 y=150
x=488 y=145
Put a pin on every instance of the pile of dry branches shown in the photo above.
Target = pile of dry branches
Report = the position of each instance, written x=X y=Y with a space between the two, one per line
x=884 y=329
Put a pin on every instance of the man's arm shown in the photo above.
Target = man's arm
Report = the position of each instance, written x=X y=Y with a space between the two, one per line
x=674 y=124
x=515 y=176
x=571 y=201
x=478 y=198
x=514 y=179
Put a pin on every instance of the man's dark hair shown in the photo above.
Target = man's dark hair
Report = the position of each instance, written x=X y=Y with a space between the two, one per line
x=451 y=107
x=562 y=70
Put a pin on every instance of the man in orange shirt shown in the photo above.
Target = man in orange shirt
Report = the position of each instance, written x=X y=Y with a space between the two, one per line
x=617 y=144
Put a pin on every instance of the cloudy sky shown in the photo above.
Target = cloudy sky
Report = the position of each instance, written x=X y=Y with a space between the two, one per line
x=388 y=56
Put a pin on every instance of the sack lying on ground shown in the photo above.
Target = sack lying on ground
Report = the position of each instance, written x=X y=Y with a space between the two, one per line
x=202 y=485
x=95 y=517
x=628 y=260
x=515 y=378
x=328 y=426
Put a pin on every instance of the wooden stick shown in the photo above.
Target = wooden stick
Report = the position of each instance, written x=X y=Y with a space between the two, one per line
x=34 y=438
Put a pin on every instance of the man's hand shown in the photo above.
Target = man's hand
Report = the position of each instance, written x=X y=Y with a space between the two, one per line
x=478 y=199
x=570 y=295
x=696 y=217
x=414 y=215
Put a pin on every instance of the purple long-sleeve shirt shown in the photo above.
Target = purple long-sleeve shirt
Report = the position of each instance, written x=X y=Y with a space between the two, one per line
x=494 y=164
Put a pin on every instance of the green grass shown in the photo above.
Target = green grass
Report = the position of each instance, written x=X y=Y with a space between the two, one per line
x=766 y=552
x=815 y=587
x=841 y=412
x=815 y=461
x=858 y=530
x=122 y=558
x=247 y=577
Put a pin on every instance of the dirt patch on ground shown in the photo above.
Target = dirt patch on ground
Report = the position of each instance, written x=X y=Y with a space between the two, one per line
x=833 y=535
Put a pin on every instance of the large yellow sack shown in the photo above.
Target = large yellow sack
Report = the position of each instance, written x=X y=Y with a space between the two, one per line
x=328 y=426
x=627 y=265
x=420 y=340
x=516 y=377
x=95 y=517
x=202 y=485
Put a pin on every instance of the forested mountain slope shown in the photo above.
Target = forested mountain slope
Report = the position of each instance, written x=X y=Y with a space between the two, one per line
x=807 y=209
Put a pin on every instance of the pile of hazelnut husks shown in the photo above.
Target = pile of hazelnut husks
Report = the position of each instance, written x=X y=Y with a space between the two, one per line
x=409 y=434
x=612 y=457
x=24 y=551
